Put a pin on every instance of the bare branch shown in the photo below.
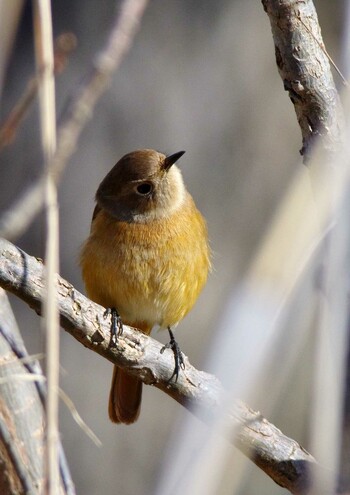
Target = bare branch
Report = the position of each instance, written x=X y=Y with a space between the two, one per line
x=304 y=67
x=44 y=56
x=21 y=413
x=282 y=458
x=303 y=64
x=21 y=469
x=65 y=43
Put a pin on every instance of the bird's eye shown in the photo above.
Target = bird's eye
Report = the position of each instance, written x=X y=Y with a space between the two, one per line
x=144 y=189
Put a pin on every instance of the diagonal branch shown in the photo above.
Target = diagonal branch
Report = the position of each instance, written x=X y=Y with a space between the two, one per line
x=303 y=64
x=16 y=219
x=282 y=458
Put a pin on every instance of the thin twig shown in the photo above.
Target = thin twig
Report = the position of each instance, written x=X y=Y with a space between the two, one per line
x=78 y=419
x=27 y=359
x=45 y=70
x=65 y=43
x=18 y=217
x=323 y=48
x=25 y=377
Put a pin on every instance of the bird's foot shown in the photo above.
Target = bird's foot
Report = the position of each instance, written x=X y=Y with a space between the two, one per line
x=178 y=357
x=116 y=324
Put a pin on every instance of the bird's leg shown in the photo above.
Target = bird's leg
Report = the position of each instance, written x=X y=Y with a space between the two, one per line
x=116 y=324
x=179 y=360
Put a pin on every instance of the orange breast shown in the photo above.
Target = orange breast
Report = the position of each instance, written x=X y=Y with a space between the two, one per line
x=151 y=272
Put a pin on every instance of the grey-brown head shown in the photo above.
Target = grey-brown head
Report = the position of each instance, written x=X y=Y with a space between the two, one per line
x=143 y=186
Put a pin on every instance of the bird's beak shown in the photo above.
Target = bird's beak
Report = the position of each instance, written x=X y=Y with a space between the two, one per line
x=171 y=159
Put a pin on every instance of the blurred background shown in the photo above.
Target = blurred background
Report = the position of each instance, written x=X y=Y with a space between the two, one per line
x=200 y=76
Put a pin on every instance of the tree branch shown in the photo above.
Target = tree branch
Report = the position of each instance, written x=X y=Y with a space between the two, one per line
x=22 y=414
x=303 y=65
x=282 y=458
x=16 y=219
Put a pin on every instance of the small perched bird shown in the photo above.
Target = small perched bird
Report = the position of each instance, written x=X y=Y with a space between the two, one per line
x=147 y=256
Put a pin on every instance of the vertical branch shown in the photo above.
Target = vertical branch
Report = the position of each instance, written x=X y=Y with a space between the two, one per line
x=303 y=64
x=45 y=68
x=21 y=414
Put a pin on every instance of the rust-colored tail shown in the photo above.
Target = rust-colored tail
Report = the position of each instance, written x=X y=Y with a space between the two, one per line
x=126 y=391
x=124 y=398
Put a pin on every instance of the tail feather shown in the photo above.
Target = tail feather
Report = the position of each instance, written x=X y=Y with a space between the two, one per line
x=126 y=390
x=125 y=397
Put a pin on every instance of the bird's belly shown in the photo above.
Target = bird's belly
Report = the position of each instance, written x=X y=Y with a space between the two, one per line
x=151 y=273
x=154 y=285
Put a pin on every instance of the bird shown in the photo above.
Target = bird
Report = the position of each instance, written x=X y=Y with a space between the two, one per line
x=147 y=257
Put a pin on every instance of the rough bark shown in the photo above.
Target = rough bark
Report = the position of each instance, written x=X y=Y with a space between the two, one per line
x=305 y=71
x=22 y=423
x=282 y=458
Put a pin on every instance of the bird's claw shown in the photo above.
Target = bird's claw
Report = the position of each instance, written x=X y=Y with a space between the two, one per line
x=178 y=356
x=116 y=324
